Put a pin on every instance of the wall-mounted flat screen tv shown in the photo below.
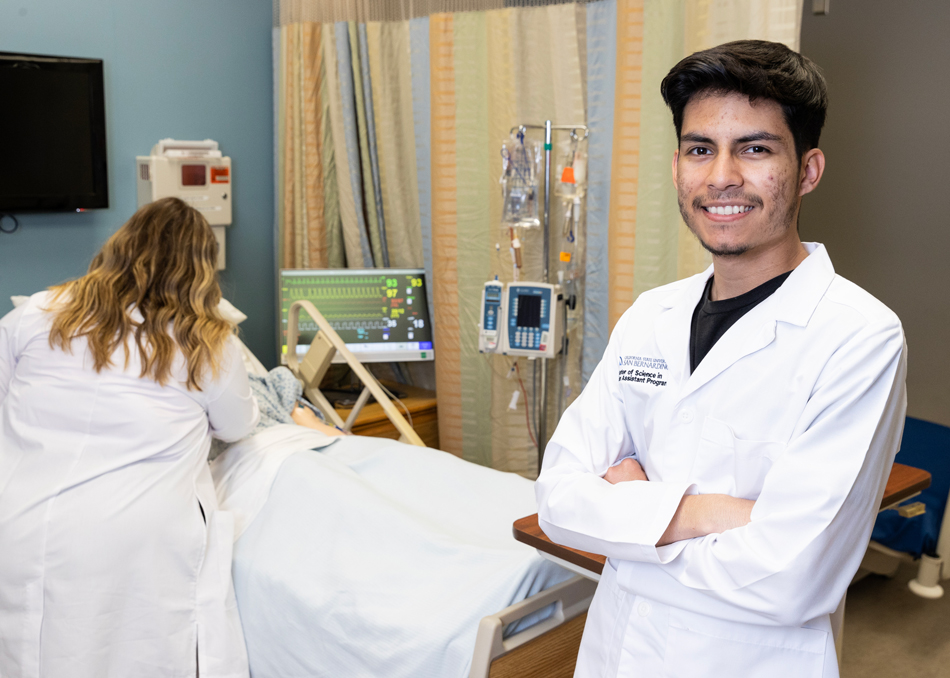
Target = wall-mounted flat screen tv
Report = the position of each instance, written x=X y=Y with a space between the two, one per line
x=52 y=134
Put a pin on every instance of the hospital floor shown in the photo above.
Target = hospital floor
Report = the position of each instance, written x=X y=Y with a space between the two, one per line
x=891 y=633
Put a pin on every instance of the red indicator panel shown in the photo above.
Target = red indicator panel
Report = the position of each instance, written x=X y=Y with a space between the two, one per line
x=193 y=175
x=220 y=175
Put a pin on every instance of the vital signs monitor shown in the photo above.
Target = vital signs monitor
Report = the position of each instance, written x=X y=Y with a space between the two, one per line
x=381 y=313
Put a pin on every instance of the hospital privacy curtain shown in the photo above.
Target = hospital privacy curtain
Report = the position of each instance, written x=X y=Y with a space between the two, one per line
x=389 y=120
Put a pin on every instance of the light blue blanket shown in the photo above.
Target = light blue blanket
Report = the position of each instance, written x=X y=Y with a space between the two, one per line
x=374 y=558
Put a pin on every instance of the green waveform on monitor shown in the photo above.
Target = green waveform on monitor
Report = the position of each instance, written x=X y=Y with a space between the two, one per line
x=349 y=316
x=341 y=293
x=337 y=280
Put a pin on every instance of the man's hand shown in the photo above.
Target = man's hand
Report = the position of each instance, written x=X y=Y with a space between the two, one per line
x=628 y=469
x=697 y=515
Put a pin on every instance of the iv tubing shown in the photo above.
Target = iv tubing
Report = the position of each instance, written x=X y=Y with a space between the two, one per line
x=527 y=417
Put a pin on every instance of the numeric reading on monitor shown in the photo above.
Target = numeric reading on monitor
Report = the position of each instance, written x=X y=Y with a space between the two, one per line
x=375 y=312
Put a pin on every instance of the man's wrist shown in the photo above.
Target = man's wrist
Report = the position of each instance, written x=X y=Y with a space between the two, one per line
x=702 y=514
x=722 y=512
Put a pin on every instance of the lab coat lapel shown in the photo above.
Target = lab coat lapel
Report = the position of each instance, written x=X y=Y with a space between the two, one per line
x=794 y=302
x=752 y=332
x=672 y=326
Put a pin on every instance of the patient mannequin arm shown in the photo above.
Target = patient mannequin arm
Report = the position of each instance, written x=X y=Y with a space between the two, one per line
x=697 y=514
x=304 y=416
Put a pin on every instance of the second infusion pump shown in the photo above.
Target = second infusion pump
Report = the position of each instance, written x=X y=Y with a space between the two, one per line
x=521 y=319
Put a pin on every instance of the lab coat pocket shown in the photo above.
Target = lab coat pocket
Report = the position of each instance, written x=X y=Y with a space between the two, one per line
x=753 y=460
x=721 y=451
x=699 y=646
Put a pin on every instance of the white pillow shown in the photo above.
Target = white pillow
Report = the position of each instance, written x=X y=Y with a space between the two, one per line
x=234 y=316
x=230 y=313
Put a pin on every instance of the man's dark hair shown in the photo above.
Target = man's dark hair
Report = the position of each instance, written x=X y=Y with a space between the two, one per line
x=759 y=70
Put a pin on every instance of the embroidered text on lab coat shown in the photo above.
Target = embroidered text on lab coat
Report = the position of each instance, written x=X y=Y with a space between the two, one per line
x=641 y=370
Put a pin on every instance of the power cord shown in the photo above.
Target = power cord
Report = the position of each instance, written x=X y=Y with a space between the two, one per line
x=16 y=224
x=390 y=394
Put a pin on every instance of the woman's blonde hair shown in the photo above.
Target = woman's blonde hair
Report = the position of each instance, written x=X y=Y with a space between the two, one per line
x=161 y=262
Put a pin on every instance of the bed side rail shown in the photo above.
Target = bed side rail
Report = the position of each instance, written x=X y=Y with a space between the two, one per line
x=570 y=598
x=325 y=345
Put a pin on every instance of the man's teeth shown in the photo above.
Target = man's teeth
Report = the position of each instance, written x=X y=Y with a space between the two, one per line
x=728 y=209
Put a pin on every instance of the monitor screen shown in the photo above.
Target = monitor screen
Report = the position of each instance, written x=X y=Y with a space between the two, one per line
x=381 y=314
x=52 y=132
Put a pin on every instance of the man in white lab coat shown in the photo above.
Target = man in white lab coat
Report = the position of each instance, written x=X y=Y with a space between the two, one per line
x=731 y=449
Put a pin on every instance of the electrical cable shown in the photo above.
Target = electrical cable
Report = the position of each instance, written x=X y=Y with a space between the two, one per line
x=401 y=403
x=16 y=224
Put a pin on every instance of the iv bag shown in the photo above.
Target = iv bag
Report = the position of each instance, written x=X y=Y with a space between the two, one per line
x=521 y=171
x=572 y=169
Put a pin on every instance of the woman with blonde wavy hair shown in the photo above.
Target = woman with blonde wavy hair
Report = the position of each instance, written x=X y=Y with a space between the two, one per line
x=114 y=560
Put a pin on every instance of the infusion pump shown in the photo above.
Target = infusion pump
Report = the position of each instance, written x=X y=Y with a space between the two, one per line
x=194 y=171
x=521 y=319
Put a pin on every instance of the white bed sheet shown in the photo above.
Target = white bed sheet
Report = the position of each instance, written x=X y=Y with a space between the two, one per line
x=371 y=557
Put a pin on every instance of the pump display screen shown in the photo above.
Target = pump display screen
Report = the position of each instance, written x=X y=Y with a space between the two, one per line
x=529 y=311
x=381 y=314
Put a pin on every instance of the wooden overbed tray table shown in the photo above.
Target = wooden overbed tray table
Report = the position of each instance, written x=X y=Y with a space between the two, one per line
x=903 y=483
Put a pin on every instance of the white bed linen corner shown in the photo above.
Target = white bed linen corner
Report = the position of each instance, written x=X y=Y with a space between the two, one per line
x=370 y=557
x=243 y=475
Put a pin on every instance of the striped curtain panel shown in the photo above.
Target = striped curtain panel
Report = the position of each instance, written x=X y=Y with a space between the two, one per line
x=389 y=136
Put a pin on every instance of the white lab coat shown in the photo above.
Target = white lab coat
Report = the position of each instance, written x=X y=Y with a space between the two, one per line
x=799 y=406
x=107 y=568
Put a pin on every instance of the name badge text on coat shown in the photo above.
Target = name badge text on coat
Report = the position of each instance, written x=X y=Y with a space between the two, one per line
x=642 y=370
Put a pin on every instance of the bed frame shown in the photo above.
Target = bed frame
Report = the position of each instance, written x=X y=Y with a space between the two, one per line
x=547 y=649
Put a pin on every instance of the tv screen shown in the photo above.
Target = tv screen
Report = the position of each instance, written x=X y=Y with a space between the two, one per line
x=52 y=134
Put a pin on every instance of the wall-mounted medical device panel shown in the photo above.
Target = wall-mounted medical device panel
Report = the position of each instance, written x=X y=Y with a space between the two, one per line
x=521 y=319
x=194 y=171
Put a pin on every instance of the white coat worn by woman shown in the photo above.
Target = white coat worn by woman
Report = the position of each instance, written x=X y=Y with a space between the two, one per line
x=113 y=558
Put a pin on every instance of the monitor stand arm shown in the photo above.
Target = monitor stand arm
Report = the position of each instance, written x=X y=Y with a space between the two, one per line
x=310 y=371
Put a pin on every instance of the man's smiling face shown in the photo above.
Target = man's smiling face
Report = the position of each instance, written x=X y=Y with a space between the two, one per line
x=737 y=176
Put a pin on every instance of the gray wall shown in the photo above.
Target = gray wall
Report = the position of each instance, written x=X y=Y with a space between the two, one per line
x=188 y=69
x=883 y=206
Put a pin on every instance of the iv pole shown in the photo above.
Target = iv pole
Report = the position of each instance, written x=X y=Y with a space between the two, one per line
x=548 y=128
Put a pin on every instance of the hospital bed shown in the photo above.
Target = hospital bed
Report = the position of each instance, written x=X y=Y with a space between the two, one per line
x=364 y=556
